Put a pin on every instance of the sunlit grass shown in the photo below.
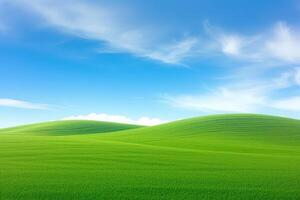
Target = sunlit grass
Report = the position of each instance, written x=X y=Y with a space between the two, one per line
x=217 y=157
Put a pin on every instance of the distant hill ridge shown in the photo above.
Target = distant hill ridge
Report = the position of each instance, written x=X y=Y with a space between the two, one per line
x=70 y=127
x=253 y=124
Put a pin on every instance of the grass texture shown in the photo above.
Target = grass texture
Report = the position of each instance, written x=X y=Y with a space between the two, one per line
x=216 y=157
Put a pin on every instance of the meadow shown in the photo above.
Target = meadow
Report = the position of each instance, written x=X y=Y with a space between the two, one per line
x=240 y=156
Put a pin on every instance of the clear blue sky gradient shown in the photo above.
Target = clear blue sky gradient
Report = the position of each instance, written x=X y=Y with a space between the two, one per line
x=43 y=63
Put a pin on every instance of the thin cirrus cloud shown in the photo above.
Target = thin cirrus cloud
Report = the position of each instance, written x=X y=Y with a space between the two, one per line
x=106 y=25
x=14 y=103
x=229 y=100
x=254 y=97
x=280 y=44
x=117 y=31
x=221 y=100
x=288 y=104
x=146 y=121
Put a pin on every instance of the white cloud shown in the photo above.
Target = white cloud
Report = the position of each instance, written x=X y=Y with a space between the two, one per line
x=288 y=78
x=222 y=100
x=255 y=96
x=234 y=101
x=176 y=52
x=113 y=27
x=289 y=103
x=284 y=44
x=117 y=30
x=117 y=118
x=21 y=104
x=281 y=44
x=231 y=45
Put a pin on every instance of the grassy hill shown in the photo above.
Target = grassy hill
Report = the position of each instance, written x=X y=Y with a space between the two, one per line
x=214 y=157
x=69 y=127
x=246 y=131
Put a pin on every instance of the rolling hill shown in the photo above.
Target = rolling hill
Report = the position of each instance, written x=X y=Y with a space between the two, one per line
x=69 y=127
x=219 y=131
x=215 y=157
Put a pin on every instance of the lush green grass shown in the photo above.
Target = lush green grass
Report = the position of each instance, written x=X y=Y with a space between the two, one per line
x=215 y=157
x=69 y=127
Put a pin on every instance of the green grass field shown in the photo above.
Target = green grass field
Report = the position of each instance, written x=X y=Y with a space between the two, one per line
x=215 y=157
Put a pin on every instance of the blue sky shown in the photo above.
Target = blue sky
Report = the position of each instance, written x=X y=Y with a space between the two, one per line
x=147 y=62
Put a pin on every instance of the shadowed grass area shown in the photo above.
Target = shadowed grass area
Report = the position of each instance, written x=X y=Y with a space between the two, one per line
x=214 y=157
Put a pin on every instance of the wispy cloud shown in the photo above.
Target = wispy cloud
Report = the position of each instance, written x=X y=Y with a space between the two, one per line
x=280 y=44
x=226 y=100
x=244 y=97
x=288 y=78
x=284 y=44
x=288 y=104
x=22 y=104
x=116 y=30
x=113 y=27
x=147 y=121
x=176 y=52
x=231 y=45
x=221 y=100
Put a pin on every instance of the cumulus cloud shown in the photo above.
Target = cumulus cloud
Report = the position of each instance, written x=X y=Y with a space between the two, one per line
x=147 y=121
x=22 y=104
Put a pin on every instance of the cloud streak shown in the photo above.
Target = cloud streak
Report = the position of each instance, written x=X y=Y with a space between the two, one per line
x=14 y=103
x=146 y=121
x=221 y=100
x=242 y=97
x=110 y=28
x=280 y=44
x=116 y=30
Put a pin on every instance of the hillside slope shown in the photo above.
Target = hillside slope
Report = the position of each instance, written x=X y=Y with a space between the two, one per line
x=227 y=157
x=69 y=127
x=228 y=130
